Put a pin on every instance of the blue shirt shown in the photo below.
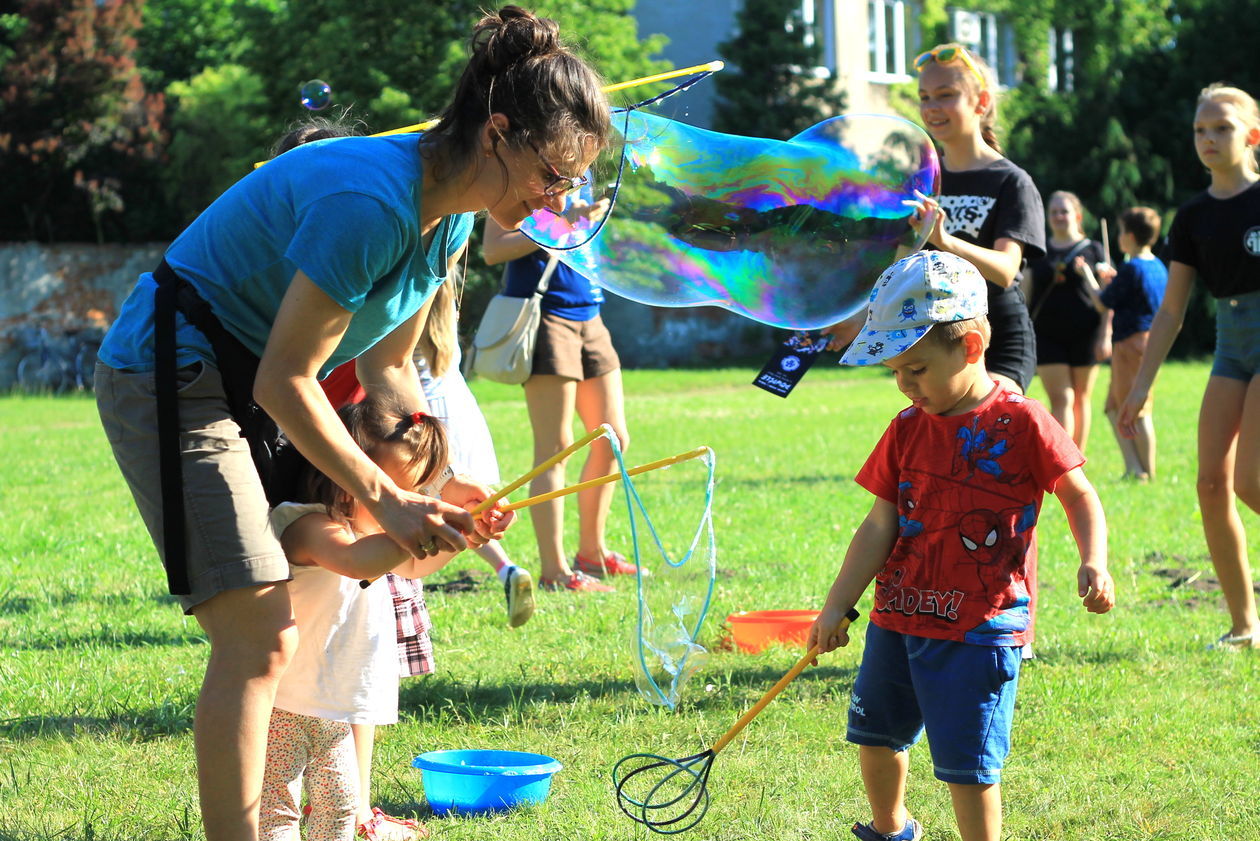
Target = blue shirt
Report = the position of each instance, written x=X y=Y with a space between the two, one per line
x=569 y=295
x=1134 y=295
x=345 y=211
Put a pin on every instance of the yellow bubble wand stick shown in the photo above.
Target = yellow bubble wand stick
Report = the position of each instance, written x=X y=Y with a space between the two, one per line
x=709 y=67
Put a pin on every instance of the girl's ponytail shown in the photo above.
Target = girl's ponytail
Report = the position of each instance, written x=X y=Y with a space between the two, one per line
x=375 y=423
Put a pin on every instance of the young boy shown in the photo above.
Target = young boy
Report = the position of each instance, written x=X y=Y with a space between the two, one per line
x=1133 y=296
x=958 y=480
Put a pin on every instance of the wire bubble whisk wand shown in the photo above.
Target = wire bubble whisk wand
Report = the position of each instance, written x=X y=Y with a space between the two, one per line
x=670 y=796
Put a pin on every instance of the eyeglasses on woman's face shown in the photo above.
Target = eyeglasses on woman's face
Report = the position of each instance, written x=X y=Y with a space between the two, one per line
x=559 y=185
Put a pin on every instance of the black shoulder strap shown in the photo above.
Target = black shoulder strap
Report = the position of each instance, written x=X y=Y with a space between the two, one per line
x=170 y=470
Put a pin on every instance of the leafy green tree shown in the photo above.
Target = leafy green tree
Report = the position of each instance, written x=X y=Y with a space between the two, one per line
x=770 y=92
x=78 y=132
x=220 y=129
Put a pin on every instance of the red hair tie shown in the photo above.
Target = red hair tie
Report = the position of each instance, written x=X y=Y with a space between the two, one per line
x=416 y=417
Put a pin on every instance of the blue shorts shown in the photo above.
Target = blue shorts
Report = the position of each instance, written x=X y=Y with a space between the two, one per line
x=963 y=694
x=1237 y=337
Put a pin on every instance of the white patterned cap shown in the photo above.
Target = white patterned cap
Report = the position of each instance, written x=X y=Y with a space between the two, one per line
x=926 y=288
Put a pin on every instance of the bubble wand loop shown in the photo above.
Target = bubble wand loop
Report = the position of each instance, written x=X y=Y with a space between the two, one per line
x=487 y=504
x=678 y=800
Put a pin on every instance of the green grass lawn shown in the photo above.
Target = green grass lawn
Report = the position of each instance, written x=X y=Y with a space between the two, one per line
x=1127 y=727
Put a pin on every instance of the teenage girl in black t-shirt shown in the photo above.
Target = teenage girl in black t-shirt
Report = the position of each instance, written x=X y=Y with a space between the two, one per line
x=1072 y=336
x=989 y=211
x=1216 y=236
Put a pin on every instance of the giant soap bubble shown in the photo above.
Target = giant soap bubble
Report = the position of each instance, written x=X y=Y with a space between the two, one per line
x=789 y=233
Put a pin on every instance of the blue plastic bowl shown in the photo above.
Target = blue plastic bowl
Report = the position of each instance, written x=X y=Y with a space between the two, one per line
x=474 y=782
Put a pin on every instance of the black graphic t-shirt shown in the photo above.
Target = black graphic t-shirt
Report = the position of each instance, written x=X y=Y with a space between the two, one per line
x=984 y=205
x=1060 y=296
x=1220 y=239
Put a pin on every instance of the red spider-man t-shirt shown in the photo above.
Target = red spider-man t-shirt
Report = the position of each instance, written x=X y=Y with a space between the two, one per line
x=968 y=490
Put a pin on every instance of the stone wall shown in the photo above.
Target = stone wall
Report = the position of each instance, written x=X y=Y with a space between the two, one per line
x=75 y=286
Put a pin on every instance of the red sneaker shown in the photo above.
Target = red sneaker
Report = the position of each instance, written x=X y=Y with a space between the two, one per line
x=576 y=581
x=614 y=563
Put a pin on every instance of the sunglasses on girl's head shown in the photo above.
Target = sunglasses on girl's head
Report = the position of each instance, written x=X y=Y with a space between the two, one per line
x=559 y=185
x=944 y=55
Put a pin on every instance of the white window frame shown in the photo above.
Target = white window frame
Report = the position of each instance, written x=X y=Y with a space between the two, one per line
x=995 y=42
x=1062 y=56
x=813 y=27
x=888 y=68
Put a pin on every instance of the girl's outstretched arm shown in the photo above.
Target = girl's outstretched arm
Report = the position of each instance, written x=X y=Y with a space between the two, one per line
x=319 y=540
x=1089 y=526
x=1164 y=329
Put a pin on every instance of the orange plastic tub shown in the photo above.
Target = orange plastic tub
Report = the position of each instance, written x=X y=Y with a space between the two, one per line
x=754 y=630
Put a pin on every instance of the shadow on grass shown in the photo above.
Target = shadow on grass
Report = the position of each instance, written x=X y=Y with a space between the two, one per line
x=128 y=725
x=485 y=701
x=107 y=637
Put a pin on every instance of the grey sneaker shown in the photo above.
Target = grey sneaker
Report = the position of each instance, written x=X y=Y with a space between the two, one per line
x=519 y=591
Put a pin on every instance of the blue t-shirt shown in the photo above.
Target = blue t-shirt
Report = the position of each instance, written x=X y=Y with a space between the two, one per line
x=1134 y=295
x=344 y=211
x=569 y=295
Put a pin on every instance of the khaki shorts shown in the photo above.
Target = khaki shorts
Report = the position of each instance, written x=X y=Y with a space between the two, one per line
x=576 y=350
x=230 y=542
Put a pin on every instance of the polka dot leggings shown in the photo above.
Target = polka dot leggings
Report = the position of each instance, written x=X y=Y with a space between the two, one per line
x=323 y=752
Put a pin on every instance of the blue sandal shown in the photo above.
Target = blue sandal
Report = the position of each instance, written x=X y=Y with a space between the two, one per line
x=912 y=831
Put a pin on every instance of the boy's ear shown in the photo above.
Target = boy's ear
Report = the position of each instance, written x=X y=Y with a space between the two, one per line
x=973 y=346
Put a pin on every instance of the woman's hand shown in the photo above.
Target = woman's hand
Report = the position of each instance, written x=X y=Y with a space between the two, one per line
x=422 y=525
x=1102 y=348
x=468 y=493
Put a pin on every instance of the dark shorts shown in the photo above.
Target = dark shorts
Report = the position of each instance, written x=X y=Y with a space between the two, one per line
x=1237 y=337
x=1012 y=349
x=576 y=350
x=1074 y=347
x=230 y=541
x=962 y=694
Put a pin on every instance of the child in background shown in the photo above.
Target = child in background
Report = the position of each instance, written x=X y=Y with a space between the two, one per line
x=1134 y=296
x=437 y=359
x=958 y=480
x=345 y=669
x=1216 y=236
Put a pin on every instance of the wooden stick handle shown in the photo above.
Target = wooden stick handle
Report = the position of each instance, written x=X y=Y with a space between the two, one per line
x=602 y=429
x=604 y=480
x=848 y=620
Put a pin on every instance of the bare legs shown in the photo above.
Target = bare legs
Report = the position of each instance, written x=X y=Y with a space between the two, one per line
x=364 y=738
x=1069 y=389
x=599 y=400
x=252 y=637
x=977 y=808
x=1229 y=465
x=551 y=401
x=1138 y=452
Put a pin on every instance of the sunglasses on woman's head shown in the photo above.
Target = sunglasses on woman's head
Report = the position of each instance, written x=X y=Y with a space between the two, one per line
x=944 y=55
x=559 y=185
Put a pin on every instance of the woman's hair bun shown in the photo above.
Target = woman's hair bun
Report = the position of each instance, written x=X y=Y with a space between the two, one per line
x=514 y=34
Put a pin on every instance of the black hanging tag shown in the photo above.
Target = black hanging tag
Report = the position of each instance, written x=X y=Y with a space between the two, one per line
x=790 y=362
